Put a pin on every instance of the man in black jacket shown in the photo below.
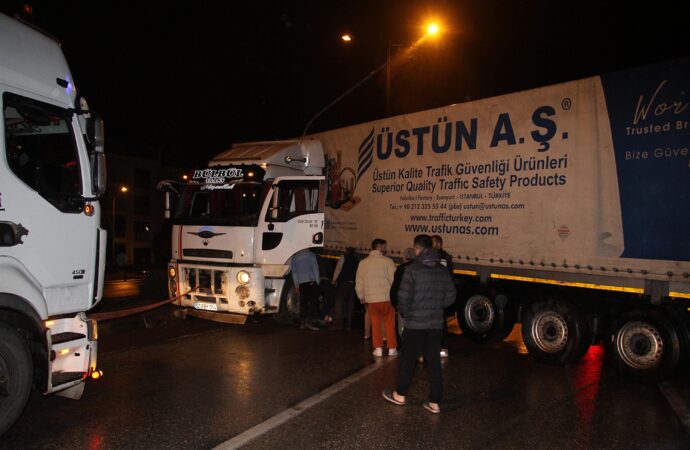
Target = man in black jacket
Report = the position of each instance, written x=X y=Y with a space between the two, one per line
x=425 y=290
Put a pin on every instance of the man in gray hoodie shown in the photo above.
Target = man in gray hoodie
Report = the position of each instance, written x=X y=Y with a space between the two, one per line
x=425 y=290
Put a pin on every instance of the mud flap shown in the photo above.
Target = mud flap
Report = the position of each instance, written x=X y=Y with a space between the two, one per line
x=74 y=393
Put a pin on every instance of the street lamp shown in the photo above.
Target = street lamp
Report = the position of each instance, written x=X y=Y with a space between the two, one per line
x=122 y=189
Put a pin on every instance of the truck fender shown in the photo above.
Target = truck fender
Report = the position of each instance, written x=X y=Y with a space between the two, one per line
x=20 y=291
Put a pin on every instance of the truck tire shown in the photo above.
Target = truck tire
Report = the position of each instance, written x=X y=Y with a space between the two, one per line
x=289 y=304
x=681 y=322
x=644 y=345
x=485 y=320
x=555 y=332
x=16 y=376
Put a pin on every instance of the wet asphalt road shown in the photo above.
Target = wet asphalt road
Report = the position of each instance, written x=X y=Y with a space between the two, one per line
x=195 y=384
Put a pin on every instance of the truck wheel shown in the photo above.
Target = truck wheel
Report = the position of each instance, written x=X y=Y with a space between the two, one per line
x=555 y=332
x=485 y=320
x=16 y=376
x=681 y=323
x=643 y=344
x=289 y=304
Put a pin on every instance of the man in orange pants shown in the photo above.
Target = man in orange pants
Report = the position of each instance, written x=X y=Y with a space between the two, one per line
x=373 y=284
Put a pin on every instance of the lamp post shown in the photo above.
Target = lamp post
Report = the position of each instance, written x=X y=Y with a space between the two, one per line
x=122 y=189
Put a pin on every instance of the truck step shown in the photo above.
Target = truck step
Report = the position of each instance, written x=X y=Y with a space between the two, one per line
x=60 y=338
x=66 y=377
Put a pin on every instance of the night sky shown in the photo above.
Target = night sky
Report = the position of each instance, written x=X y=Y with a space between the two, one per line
x=184 y=80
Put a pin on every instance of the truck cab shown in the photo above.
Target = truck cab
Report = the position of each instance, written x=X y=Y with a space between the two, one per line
x=52 y=249
x=238 y=222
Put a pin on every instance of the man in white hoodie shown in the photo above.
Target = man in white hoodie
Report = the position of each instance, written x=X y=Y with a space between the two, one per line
x=373 y=284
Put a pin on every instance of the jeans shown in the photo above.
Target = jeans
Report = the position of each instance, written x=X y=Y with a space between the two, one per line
x=418 y=343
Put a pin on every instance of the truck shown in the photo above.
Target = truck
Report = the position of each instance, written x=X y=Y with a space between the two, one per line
x=566 y=209
x=52 y=172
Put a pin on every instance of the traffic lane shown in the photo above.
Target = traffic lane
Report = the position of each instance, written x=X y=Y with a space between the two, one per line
x=192 y=391
x=495 y=398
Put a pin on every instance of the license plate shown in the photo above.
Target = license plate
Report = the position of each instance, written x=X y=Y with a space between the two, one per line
x=206 y=306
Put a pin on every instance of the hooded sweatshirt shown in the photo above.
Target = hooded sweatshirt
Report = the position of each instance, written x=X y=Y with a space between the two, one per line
x=425 y=290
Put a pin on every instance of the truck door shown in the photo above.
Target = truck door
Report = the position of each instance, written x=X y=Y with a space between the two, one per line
x=42 y=214
x=292 y=218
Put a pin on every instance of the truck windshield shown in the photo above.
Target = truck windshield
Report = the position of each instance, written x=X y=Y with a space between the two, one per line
x=238 y=206
x=41 y=150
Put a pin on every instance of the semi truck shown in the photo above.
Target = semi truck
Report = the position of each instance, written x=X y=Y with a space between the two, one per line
x=52 y=171
x=566 y=208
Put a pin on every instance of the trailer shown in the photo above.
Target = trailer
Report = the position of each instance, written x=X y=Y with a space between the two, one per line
x=566 y=208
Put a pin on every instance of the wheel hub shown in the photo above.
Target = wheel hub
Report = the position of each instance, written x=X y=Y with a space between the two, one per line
x=639 y=345
x=480 y=314
x=550 y=331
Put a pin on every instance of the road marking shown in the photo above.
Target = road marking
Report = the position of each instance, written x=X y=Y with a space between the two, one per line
x=678 y=404
x=282 y=417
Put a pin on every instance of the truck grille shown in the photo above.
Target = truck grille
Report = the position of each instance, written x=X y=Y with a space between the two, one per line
x=207 y=281
x=207 y=253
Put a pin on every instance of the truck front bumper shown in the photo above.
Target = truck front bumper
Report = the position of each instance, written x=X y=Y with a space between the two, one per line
x=220 y=289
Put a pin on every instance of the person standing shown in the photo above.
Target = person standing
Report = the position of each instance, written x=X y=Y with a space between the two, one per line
x=447 y=260
x=373 y=285
x=305 y=276
x=344 y=281
x=408 y=256
x=425 y=290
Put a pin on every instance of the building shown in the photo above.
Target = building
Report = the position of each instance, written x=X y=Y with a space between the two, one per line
x=134 y=208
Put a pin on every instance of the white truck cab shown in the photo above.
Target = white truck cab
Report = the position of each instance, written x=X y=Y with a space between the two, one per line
x=52 y=171
x=238 y=222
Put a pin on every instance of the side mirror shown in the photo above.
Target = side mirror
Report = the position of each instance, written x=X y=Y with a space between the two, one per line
x=95 y=136
x=168 y=187
x=98 y=172
x=166 y=213
x=95 y=132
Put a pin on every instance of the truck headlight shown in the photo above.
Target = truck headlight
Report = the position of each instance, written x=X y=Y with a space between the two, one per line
x=243 y=277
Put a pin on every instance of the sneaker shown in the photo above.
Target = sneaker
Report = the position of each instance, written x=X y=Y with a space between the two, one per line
x=378 y=351
x=431 y=409
x=444 y=353
x=392 y=352
x=388 y=395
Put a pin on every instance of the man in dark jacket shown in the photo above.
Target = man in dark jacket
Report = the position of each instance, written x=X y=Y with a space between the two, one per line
x=447 y=260
x=425 y=290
